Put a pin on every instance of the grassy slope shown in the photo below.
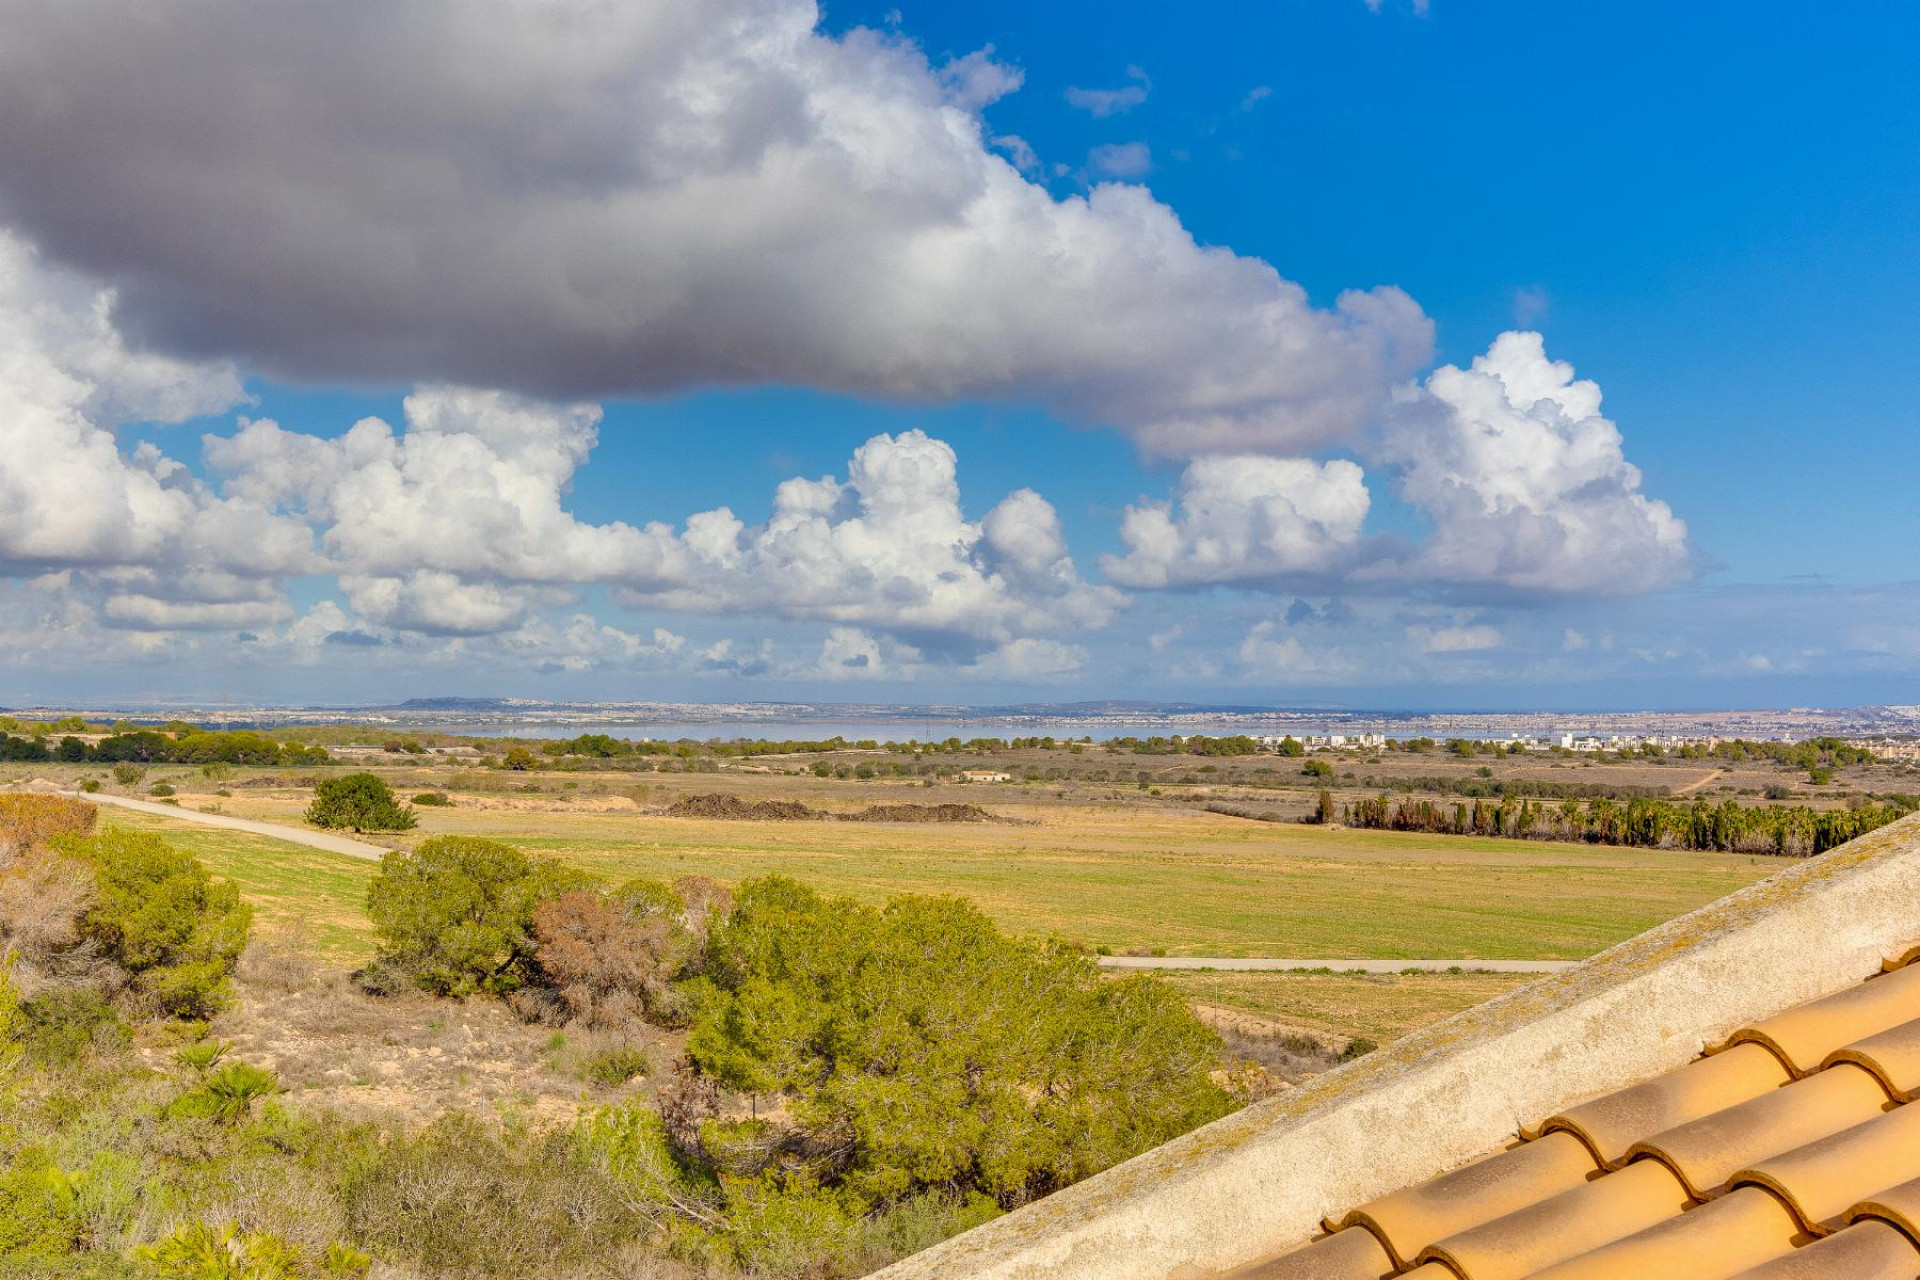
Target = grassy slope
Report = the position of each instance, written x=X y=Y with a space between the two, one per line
x=1190 y=882
x=1381 y=1008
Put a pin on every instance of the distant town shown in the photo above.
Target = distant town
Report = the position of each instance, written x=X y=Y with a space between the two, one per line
x=1892 y=732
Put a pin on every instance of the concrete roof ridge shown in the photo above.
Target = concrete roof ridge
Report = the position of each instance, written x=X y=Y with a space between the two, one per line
x=1259 y=1181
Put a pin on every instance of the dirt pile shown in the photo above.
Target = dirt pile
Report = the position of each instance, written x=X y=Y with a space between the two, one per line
x=920 y=813
x=720 y=804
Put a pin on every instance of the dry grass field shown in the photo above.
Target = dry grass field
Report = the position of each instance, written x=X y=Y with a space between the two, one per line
x=1116 y=874
x=1095 y=855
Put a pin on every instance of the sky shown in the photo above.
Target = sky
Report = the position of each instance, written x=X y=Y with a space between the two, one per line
x=1393 y=354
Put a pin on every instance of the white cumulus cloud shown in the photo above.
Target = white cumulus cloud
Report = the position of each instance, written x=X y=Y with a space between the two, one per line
x=1526 y=483
x=1245 y=520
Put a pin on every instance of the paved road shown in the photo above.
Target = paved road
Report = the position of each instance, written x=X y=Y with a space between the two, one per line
x=1243 y=964
x=273 y=830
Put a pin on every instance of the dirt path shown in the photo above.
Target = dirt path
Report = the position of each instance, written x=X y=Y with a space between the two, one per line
x=1245 y=964
x=1698 y=783
x=293 y=835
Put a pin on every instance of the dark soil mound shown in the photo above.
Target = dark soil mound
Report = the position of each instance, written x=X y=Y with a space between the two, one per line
x=718 y=804
x=919 y=813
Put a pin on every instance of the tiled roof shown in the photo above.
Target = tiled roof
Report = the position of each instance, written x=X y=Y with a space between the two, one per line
x=1789 y=1152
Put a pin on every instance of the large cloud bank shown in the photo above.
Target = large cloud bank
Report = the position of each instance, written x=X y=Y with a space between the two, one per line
x=578 y=198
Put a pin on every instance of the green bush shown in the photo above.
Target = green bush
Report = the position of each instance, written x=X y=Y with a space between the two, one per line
x=161 y=789
x=160 y=916
x=360 y=802
x=434 y=800
x=63 y=1024
x=456 y=914
x=128 y=774
x=925 y=1049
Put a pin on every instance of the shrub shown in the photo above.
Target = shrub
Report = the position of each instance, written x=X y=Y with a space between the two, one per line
x=468 y=1199
x=1317 y=769
x=924 y=1049
x=161 y=789
x=456 y=914
x=361 y=802
x=434 y=800
x=128 y=774
x=161 y=917
x=227 y=1094
x=63 y=1024
x=1358 y=1047
x=90 y=786
x=609 y=959
x=32 y=821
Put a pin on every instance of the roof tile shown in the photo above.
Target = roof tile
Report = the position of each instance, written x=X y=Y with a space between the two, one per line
x=1899 y=1205
x=1799 y=1136
x=1714 y=1241
x=1804 y=1035
x=1564 y=1226
x=1893 y=1055
x=1344 y=1255
x=1869 y=1250
x=1412 y=1219
x=1612 y=1124
x=1707 y=1152
x=1823 y=1179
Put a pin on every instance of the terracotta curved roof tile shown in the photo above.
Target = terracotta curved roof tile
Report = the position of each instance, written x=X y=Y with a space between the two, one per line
x=1565 y=1226
x=1794 y=1137
x=1411 y=1220
x=1893 y=1055
x=1344 y=1255
x=1804 y=1035
x=1707 y=1152
x=1713 y=1241
x=1898 y=1205
x=1611 y=1125
x=1870 y=1250
x=1822 y=1180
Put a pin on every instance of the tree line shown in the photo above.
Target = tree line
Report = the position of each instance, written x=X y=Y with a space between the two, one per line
x=1793 y=831
x=155 y=746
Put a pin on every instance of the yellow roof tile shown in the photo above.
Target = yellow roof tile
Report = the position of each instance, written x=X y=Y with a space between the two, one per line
x=1412 y=1219
x=1899 y=1205
x=1707 y=1152
x=1804 y=1035
x=1711 y=1242
x=1345 y=1255
x=1822 y=1179
x=1612 y=1124
x=1893 y=1055
x=1869 y=1250
x=1564 y=1226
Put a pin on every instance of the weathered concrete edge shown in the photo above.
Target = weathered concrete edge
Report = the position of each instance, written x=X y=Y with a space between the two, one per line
x=1258 y=1181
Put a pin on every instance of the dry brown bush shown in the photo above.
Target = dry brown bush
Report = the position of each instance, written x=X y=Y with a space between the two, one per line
x=43 y=896
x=601 y=960
x=29 y=822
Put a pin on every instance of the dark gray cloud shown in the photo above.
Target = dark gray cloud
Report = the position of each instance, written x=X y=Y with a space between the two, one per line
x=575 y=197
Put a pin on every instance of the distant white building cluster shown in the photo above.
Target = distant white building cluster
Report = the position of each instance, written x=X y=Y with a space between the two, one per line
x=1327 y=741
x=1892 y=749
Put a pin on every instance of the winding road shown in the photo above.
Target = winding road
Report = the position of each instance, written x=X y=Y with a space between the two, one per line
x=273 y=830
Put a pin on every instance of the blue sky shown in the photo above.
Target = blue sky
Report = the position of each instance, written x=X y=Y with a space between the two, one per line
x=1708 y=212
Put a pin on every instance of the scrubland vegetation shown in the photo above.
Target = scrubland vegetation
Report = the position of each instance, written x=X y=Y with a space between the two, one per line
x=856 y=1082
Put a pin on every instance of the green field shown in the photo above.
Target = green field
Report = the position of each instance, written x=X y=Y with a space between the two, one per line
x=1183 y=881
x=1382 y=1008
